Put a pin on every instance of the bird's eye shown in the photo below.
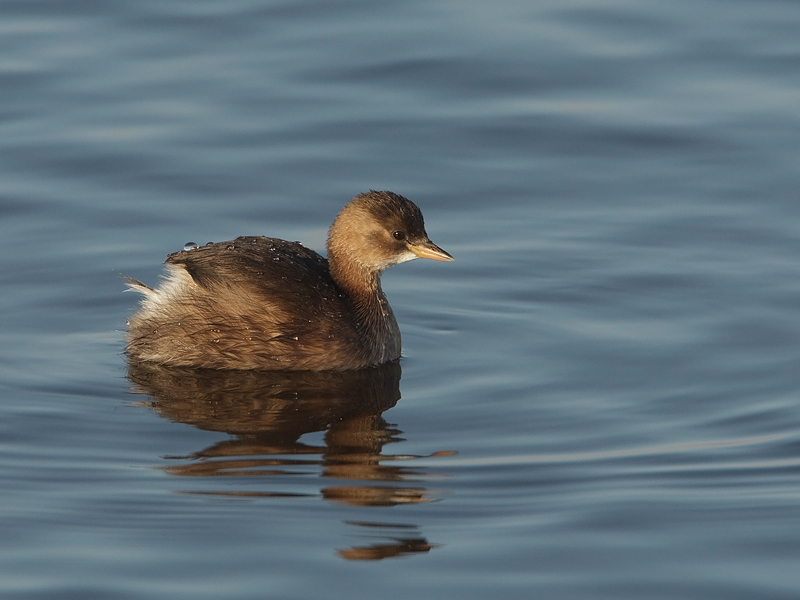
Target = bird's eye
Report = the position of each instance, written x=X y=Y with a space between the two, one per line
x=399 y=235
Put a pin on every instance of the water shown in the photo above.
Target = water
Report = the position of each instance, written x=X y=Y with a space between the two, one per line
x=598 y=398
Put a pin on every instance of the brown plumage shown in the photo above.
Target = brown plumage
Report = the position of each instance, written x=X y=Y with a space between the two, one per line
x=264 y=303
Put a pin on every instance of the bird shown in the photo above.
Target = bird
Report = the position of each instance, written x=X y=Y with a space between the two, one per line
x=260 y=303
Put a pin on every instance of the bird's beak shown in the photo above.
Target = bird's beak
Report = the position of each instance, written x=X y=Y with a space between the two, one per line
x=428 y=249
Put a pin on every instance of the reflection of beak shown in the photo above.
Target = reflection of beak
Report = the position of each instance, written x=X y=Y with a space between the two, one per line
x=428 y=249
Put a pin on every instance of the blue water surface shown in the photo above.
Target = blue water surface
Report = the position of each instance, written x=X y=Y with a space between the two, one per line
x=600 y=397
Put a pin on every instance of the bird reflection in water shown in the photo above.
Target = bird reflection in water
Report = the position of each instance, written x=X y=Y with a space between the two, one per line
x=268 y=412
x=408 y=543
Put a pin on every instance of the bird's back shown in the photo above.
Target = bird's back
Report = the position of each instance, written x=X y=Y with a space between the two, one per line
x=252 y=303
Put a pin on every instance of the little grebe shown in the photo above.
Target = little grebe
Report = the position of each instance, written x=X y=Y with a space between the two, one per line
x=264 y=303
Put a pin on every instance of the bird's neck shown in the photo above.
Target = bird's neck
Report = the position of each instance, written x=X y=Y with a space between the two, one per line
x=374 y=317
